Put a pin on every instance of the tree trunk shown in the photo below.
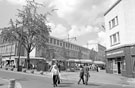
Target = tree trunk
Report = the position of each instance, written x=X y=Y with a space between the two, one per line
x=28 y=60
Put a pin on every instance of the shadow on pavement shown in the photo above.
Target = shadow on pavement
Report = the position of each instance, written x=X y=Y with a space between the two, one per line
x=2 y=84
x=93 y=84
x=65 y=84
x=22 y=79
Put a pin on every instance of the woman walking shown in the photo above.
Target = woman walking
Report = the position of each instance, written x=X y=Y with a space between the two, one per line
x=81 y=75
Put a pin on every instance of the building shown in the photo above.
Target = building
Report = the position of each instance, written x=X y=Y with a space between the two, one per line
x=60 y=49
x=120 y=34
x=57 y=49
x=98 y=51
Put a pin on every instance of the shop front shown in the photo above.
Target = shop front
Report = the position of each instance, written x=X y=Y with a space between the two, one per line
x=121 y=61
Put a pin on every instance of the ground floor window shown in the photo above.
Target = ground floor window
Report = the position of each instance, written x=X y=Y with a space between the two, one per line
x=123 y=64
x=133 y=63
x=110 y=64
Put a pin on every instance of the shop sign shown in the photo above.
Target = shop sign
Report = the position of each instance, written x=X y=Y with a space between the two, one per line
x=114 y=53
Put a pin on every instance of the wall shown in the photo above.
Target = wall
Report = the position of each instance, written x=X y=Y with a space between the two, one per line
x=129 y=13
x=116 y=11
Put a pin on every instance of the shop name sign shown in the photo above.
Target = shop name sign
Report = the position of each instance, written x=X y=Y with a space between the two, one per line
x=114 y=53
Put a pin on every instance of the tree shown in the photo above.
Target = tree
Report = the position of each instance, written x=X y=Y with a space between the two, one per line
x=30 y=29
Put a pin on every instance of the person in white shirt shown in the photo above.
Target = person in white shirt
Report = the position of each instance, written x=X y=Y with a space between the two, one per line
x=55 y=74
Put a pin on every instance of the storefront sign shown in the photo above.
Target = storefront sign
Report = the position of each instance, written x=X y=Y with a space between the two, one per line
x=114 y=53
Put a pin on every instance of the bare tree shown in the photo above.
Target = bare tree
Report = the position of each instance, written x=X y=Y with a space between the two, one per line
x=30 y=29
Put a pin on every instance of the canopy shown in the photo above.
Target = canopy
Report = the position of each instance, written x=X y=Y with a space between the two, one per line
x=86 y=61
x=99 y=62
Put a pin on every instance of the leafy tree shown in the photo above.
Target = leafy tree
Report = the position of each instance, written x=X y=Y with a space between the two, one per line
x=30 y=29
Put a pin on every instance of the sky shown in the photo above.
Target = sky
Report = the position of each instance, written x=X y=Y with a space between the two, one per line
x=82 y=19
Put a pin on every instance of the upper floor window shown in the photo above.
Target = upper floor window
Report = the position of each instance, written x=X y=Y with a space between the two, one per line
x=113 y=22
x=58 y=42
x=51 y=40
x=54 y=41
x=115 y=39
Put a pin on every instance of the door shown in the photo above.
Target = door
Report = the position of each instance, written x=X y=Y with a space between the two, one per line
x=119 y=67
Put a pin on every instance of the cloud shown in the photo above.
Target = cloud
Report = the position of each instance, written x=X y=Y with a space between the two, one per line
x=20 y=2
x=59 y=31
x=82 y=30
x=64 y=6
x=23 y=2
x=102 y=38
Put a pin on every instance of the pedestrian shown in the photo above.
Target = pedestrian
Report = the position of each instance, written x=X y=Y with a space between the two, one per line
x=86 y=74
x=81 y=75
x=55 y=74
x=97 y=68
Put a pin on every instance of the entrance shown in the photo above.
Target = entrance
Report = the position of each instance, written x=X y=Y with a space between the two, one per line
x=119 y=67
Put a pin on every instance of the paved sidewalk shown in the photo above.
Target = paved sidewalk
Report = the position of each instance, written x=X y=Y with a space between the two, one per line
x=3 y=83
x=100 y=77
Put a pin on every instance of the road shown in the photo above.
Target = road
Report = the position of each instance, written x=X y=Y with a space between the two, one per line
x=35 y=81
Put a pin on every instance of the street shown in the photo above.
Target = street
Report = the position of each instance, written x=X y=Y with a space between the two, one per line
x=40 y=81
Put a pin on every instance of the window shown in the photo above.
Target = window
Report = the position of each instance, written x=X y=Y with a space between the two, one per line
x=57 y=42
x=60 y=43
x=115 y=39
x=113 y=22
x=133 y=63
x=51 y=40
x=54 y=41
x=63 y=44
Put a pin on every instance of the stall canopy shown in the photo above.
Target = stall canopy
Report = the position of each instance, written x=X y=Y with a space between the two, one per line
x=86 y=61
x=99 y=62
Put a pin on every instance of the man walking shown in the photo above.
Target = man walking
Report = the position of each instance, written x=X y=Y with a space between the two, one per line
x=86 y=74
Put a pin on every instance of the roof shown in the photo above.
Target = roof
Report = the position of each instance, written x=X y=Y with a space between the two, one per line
x=117 y=2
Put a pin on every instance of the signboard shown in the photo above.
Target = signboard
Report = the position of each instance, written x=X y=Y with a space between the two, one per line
x=115 y=53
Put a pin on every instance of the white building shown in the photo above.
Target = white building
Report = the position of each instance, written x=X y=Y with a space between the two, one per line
x=120 y=34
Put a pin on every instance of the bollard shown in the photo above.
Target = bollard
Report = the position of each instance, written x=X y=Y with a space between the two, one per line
x=11 y=83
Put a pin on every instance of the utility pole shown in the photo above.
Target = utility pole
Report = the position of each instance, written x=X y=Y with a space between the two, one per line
x=68 y=41
x=70 y=38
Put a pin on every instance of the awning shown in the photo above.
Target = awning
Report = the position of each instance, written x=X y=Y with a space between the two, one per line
x=99 y=62
x=86 y=61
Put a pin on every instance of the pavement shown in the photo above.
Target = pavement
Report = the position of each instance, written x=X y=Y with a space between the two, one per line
x=100 y=77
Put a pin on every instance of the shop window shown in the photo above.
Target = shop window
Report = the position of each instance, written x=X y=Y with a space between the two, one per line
x=124 y=65
x=133 y=64
x=110 y=64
